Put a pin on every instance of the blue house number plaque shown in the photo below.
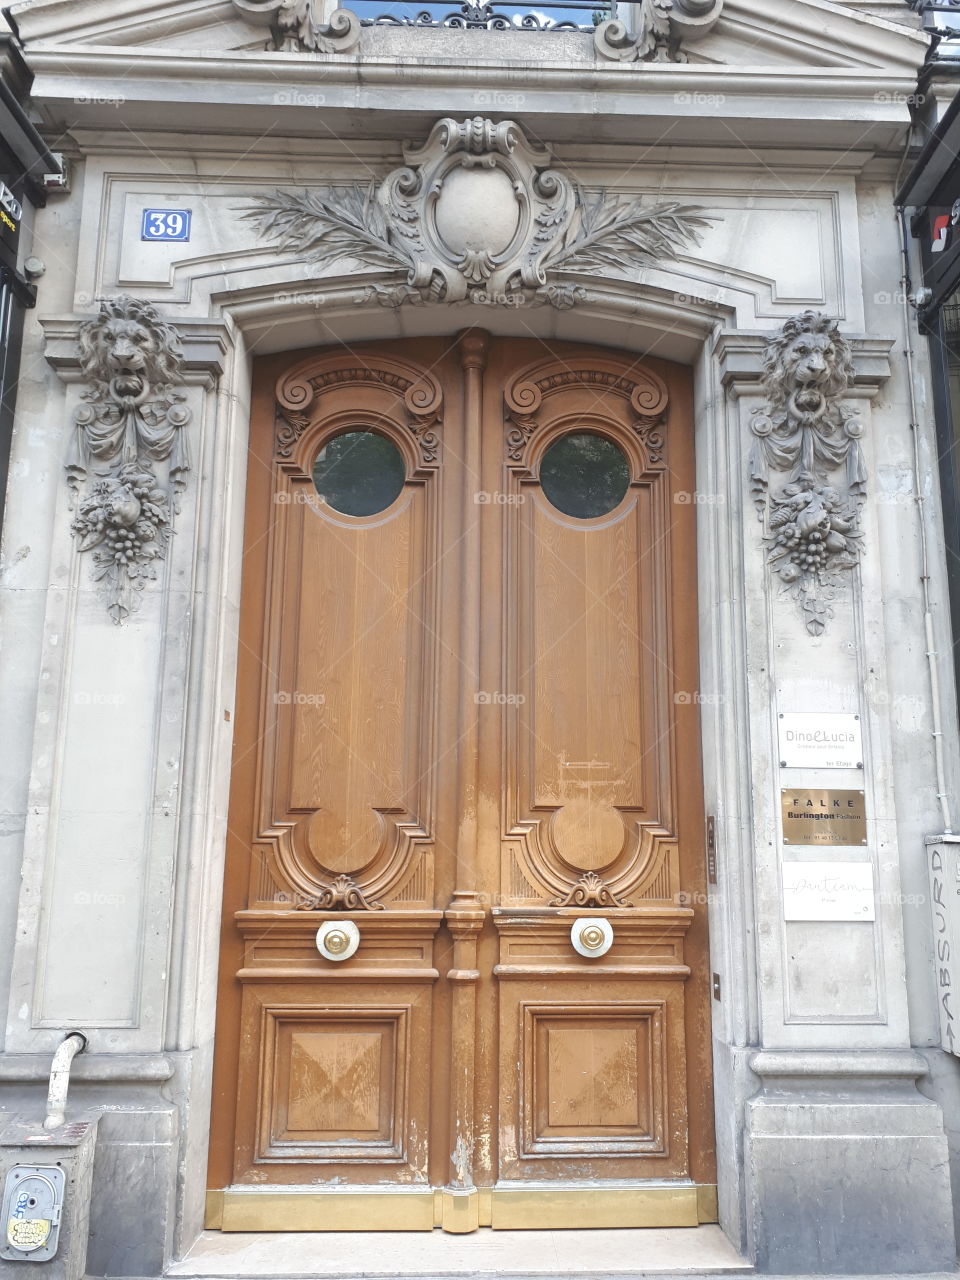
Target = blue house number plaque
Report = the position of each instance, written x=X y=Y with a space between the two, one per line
x=165 y=224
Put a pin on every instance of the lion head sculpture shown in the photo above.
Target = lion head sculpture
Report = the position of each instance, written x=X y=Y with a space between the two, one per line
x=130 y=346
x=809 y=354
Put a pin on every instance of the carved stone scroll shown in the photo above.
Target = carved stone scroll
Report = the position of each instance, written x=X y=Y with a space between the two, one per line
x=660 y=27
x=476 y=214
x=294 y=27
x=129 y=455
x=807 y=436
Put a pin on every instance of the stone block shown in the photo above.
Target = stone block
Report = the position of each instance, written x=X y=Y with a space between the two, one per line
x=857 y=1187
x=131 y=1217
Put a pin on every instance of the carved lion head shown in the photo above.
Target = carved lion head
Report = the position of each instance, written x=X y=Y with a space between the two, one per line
x=809 y=353
x=131 y=342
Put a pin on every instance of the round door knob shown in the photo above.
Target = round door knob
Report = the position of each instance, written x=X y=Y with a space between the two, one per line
x=591 y=936
x=338 y=939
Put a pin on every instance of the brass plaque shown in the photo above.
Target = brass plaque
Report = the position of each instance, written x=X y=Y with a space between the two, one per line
x=823 y=817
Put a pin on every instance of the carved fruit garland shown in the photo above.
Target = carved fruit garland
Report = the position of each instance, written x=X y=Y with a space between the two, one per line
x=805 y=432
x=129 y=421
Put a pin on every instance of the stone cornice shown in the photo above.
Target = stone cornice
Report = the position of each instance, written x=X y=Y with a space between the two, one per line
x=205 y=345
x=112 y=1068
x=801 y=1066
x=283 y=69
x=739 y=357
x=838 y=107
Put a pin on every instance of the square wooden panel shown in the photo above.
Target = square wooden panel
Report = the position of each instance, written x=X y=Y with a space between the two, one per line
x=594 y=1079
x=333 y=1084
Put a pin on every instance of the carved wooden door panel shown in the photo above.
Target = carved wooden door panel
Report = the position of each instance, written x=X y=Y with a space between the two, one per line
x=463 y=970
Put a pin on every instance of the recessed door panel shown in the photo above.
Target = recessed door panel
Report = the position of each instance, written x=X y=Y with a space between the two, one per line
x=463 y=756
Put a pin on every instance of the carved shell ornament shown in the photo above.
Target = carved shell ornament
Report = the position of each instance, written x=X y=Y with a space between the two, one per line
x=476 y=214
x=807 y=436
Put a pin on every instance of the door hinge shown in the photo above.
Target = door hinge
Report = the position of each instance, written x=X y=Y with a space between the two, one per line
x=716 y=986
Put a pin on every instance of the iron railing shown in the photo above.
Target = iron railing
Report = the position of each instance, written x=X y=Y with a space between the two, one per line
x=497 y=15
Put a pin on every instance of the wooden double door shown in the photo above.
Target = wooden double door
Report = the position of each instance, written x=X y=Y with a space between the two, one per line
x=464 y=961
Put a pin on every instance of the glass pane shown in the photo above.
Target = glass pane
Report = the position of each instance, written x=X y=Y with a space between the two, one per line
x=359 y=473
x=584 y=474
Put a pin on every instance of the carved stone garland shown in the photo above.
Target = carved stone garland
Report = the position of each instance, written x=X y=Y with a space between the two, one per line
x=129 y=454
x=811 y=439
x=476 y=215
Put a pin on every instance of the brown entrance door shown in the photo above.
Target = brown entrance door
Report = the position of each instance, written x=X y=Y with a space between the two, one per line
x=464 y=964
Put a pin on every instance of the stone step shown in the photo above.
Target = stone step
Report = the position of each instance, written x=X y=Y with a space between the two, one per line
x=690 y=1252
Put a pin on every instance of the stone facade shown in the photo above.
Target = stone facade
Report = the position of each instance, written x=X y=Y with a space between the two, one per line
x=778 y=138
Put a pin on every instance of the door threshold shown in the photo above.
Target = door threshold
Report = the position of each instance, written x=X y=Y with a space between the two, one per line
x=481 y=1255
x=544 y=1206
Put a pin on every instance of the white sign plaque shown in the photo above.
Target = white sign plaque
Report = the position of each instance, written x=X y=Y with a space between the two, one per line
x=820 y=740
x=828 y=891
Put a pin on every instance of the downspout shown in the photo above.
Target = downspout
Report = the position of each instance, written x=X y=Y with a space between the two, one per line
x=73 y=1043
x=933 y=657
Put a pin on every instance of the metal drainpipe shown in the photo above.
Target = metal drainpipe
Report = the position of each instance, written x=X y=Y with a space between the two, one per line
x=73 y=1043
x=933 y=657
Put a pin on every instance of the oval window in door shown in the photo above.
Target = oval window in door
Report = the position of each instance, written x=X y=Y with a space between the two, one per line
x=584 y=474
x=359 y=473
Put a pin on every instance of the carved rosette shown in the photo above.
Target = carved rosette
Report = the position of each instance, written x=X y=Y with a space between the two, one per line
x=129 y=455
x=809 y=439
x=476 y=214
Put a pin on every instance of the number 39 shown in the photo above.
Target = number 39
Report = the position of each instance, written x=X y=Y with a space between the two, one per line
x=164 y=224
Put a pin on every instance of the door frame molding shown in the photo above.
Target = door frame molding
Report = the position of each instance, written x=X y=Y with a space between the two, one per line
x=726 y=364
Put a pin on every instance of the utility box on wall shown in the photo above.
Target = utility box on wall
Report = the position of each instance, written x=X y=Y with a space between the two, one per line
x=46 y=1178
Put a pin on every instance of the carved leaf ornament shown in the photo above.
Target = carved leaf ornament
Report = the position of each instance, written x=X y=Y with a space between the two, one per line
x=476 y=214
x=811 y=439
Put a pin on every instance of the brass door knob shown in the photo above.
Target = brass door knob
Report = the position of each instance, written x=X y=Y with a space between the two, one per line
x=338 y=939
x=591 y=935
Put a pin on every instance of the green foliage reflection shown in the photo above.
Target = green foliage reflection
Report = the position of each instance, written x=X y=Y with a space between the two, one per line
x=359 y=473
x=584 y=475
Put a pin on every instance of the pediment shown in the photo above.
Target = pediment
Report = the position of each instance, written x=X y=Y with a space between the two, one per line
x=810 y=34
x=195 y=26
x=751 y=35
